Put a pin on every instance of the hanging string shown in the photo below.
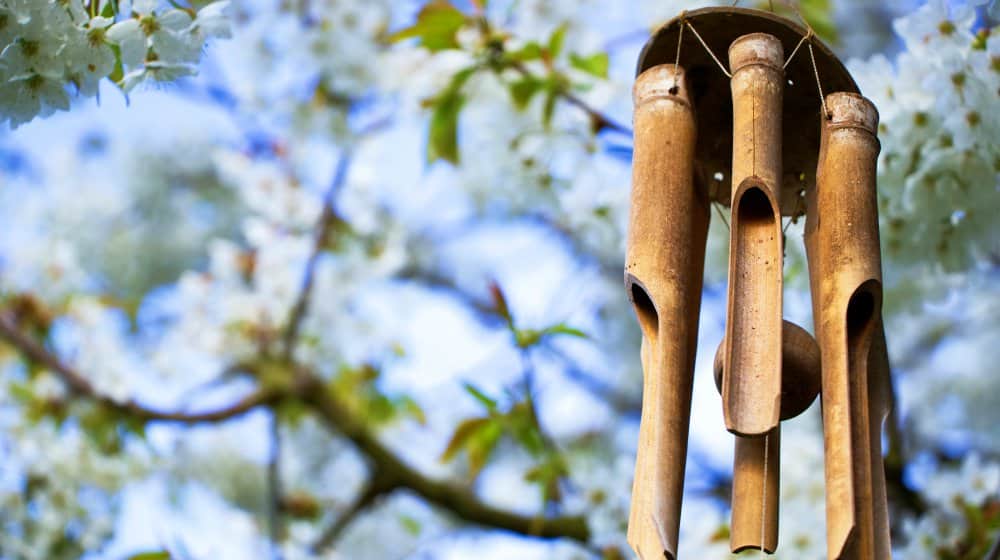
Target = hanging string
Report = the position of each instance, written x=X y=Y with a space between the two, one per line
x=819 y=84
x=722 y=215
x=707 y=49
x=810 y=33
x=805 y=38
x=677 y=59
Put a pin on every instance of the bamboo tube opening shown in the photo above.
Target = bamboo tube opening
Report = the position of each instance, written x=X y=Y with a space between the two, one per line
x=645 y=311
x=860 y=324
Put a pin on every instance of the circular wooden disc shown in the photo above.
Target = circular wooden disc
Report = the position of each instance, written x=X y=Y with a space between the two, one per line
x=710 y=92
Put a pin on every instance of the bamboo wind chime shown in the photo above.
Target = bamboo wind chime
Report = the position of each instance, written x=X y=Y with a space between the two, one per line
x=760 y=137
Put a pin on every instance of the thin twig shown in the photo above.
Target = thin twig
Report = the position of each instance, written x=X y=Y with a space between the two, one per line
x=78 y=384
x=326 y=222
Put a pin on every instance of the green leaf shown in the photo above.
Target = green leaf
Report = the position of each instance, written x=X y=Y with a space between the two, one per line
x=110 y=9
x=442 y=138
x=530 y=51
x=490 y=404
x=410 y=524
x=595 y=64
x=563 y=328
x=525 y=429
x=547 y=475
x=411 y=408
x=118 y=72
x=21 y=392
x=557 y=39
x=523 y=90
x=481 y=446
x=461 y=436
x=549 y=108
x=153 y=555
x=526 y=338
x=819 y=14
x=436 y=26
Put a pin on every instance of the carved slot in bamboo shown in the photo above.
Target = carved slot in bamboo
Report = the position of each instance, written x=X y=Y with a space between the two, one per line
x=668 y=226
x=845 y=274
x=751 y=387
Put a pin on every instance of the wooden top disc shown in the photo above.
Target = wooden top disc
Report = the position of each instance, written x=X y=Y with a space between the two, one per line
x=710 y=92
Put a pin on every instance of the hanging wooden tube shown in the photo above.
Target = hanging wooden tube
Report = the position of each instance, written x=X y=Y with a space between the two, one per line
x=751 y=385
x=842 y=244
x=668 y=226
x=751 y=380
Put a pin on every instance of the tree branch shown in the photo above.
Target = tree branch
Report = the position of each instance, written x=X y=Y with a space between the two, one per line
x=79 y=384
x=326 y=221
x=312 y=391
x=459 y=501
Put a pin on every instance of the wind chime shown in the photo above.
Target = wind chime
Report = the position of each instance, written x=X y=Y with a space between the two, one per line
x=759 y=136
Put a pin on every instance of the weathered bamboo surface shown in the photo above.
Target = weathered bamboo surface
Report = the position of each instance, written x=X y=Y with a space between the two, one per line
x=842 y=244
x=751 y=378
x=751 y=385
x=756 y=471
x=668 y=225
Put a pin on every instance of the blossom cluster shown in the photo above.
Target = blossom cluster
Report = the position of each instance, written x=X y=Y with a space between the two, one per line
x=65 y=497
x=53 y=49
x=939 y=171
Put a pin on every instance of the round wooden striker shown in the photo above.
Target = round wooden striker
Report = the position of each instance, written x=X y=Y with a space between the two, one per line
x=710 y=92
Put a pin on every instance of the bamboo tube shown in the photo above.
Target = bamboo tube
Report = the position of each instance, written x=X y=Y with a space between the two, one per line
x=751 y=380
x=668 y=225
x=842 y=245
x=756 y=471
x=751 y=387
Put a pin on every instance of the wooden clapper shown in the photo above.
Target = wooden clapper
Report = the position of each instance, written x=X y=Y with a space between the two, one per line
x=756 y=133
